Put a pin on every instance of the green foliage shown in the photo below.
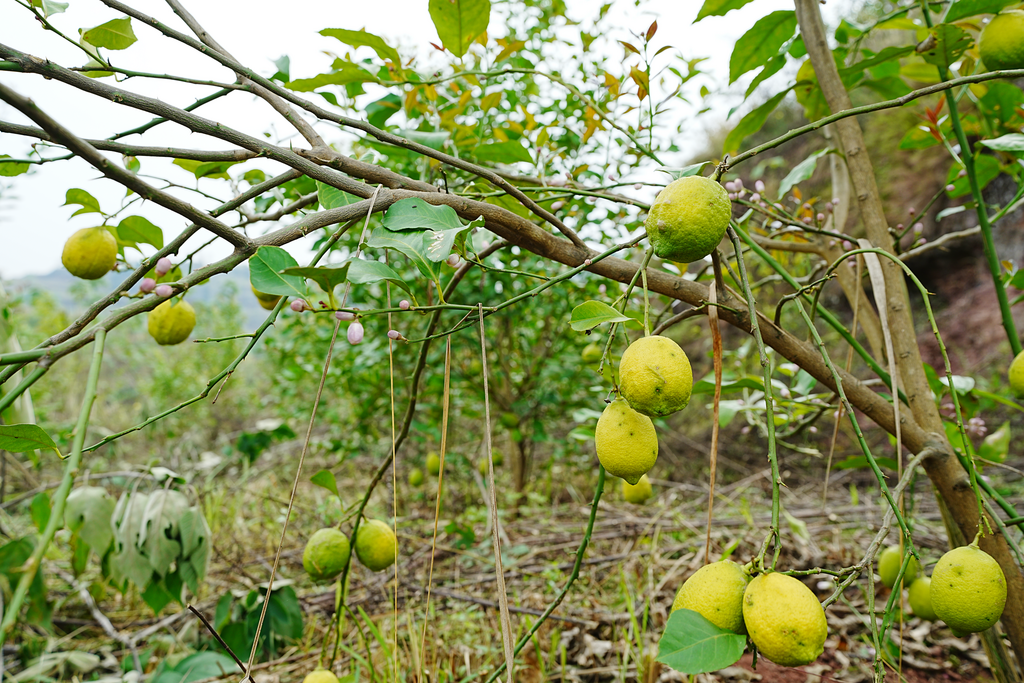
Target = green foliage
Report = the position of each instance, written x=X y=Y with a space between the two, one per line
x=236 y=620
x=19 y=438
x=116 y=34
x=459 y=22
x=692 y=644
x=590 y=314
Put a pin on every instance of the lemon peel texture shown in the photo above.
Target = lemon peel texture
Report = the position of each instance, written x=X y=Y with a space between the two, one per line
x=90 y=253
x=1002 y=41
x=171 y=323
x=655 y=376
x=968 y=590
x=784 y=619
x=376 y=545
x=637 y=493
x=325 y=554
x=688 y=219
x=715 y=591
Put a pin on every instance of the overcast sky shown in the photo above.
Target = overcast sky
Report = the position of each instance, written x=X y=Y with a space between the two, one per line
x=34 y=225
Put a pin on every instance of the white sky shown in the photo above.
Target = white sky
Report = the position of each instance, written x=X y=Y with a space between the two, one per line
x=34 y=225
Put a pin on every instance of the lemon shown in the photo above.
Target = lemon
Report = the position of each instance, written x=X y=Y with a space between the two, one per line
x=498 y=460
x=968 y=590
x=1002 y=41
x=889 y=563
x=267 y=301
x=326 y=554
x=90 y=253
x=320 y=676
x=784 y=619
x=170 y=323
x=715 y=591
x=688 y=219
x=638 y=493
x=433 y=463
x=415 y=476
x=592 y=353
x=655 y=376
x=626 y=442
x=376 y=545
x=921 y=598
x=1017 y=374
x=509 y=420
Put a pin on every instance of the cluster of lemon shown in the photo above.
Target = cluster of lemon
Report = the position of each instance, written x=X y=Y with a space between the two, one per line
x=327 y=550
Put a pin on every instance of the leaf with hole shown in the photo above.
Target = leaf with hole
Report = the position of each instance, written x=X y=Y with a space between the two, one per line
x=590 y=314
x=692 y=644
x=88 y=512
x=265 y=268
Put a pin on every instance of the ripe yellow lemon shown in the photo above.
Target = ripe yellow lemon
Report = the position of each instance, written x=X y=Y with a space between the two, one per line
x=655 y=376
x=715 y=591
x=267 y=301
x=784 y=619
x=376 y=545
x=415 y=476
x=637 y=493
x=688 y=219
x=968 y=590
x=325 y=554
x=626 y=442
x=320 y=676
x=433 y=463
x=1017 y=374
x=921 y=598
x=592 y=353
x=1002 y=41
x=90 y=253
x=171 y=323
x=889 y=563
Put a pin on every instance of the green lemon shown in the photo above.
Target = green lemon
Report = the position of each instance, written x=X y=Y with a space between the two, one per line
x=320 y=676
x=325 y=554
x=784 y=619
x=715 y=591
x=921 y=598
x=433 y=463
x=655 y=376
x=592 y=353
x=171 y=324
x=968 y=590
x=376 y=545
x=889 y=563
x=267 y=301
x=637 y=493
x=415 y=476
x=90 y=253
x=509 y=420
x=1002 y=41
x=626 y=442
x=688 y=219
x=1017 y=374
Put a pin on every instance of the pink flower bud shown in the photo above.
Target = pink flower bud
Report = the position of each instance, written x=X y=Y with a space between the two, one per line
x=912 y=211
x=587 y=262
x=393 y=334
x=732 y=195
x=918 y=227
x=961 y=174
x=731 y=186
x=821 y=217
x=739 y=183
x=147 y=285
x=835 y=201
x=355 y=333
x=453 y=260
x=404 y=305
x=298 y=305
x=847 y=245
x=899 y=226
x=344 y=315
x=558 y=206
x=755 y=197
x=759 y=186
x=164 y=290
x=638 y=186
x=950 y=187
x=828 y=206
x=602 y=289
x=806 y=219
x=163 y=266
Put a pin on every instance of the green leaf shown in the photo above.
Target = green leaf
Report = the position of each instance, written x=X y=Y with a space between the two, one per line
x=378 y=113
x=996 y=445
x=361 y=38
x=950 y=43
x=138 y=229
x=429 y=138
x=707 y=385
x=417 y=214
x=968 y=8
x=998 y=399
x=129 y=562
x=590 y=314
x=88 y=203
x=415 y=245
x=718 y=8
x=88 y=512
x=771 y=67
x=686 y=171
x=459 y=240
x=327 y=277
x=459 y=22
x=692 y=644
x=157 y=597
x=284 y=65
x=801 y=172
x=160 y=528
x=265 y=276
x=986 y=169
x=363 y=271
x=761 y=42
x=9 y=169
x=50 y=7
x=21 y=438
x=343 y=74
x=507 y=152
x=325 y=480
x=883 y=56
x=752 y=122
x=39 y=510
x=116 y=34
x=856 y=462
x=1012 y=142
x=333 y=198
x=206 y=169
x=198 y=666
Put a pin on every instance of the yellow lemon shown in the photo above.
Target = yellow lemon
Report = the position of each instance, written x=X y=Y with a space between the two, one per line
x=968 y=590
x=415 y=476
x=592 y=353
x=637 y=493
x=921 y=598
x=267 y=301
x=784 y=619
x=320 y=676
x=1017 y=375
x=715 y=591
x=171 y=324
x=90 y=253
x=688 y=219
x=655 y=376
x=376 y=545
x=1002 y=41
x=433 y=463
x=325 y=554
x=626 y=442
x=889 y=563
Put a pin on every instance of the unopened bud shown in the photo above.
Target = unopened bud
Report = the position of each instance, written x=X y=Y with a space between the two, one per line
x=355 y=333
x=344 y=315
x=602 y=289
x=404 y=304
x=759 y=186
x=298 y=305
x=821 y=217
x=755 y=197
x=147 y=285
x=558 y=206
x=164 y=290
x=912 y=211
x=638 y=186
x=961 y=174
x=739 y=183
x=453 y=260
x=163 y=266
x=918 y=227
x=731 y=186
x=394 y=334
x=950 y=187
x=587 y=262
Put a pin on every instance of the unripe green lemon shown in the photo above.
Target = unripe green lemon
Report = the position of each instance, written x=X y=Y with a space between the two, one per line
x=889 y=563
x=626 y=442
x=376 y=545
x=267 y=301
x=637 y=493
x=968 y=590
x=784 y=619
x=655 y=376
x=475 y=367
x=326 y=554
x=320 y=676
x=1017 y=374
x=90 y=253
x=1002 y=41
x=415 y=476
x=688 y=219
x=715 y=591
x=509 y=420
x=171 y=324
x=433 y=463
x=921 y=598
x=592 y=353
